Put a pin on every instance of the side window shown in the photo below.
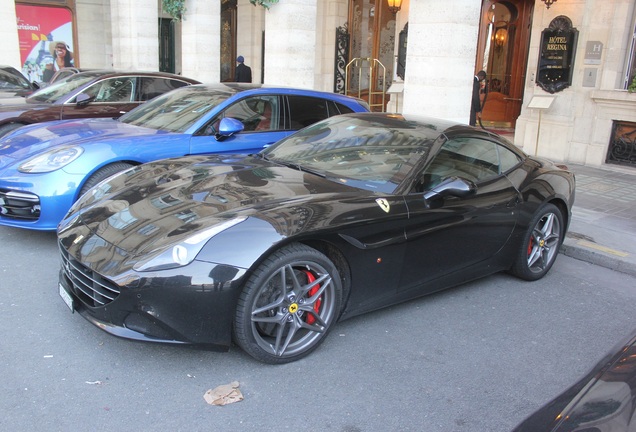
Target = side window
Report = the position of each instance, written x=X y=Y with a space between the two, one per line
x=343 y=109
x=471 y=158
x=151 y=87
x=258 y=114
x=507 y=159
x=305 y=111
x=112 y=90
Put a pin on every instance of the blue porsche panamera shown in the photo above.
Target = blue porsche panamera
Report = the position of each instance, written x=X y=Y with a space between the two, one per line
x=45 y=168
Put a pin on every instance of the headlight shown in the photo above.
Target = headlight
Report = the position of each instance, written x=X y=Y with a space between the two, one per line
x=51 y=160
x=184 y=253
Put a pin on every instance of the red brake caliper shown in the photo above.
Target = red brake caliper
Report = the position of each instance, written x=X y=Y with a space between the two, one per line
x=530 y=244
x=310 y=319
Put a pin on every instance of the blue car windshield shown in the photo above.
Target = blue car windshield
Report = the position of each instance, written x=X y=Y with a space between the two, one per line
x=59 y=89
x=359 y=152
x=175 y=111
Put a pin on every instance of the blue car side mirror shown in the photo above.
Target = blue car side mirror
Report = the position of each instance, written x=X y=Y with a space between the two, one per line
x=228 y=127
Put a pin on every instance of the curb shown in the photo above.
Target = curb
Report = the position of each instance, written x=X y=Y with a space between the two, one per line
x=574 y=249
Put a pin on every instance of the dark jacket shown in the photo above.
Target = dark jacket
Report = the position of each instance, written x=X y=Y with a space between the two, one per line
x=243 y=73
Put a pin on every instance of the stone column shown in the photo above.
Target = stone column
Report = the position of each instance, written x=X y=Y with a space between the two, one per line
x=94 y=35
x=290 y=43
x=135 y=34
x=9 y=35
x=331 y=15
x=201 y=40
x=441 y=58
x=250 y=23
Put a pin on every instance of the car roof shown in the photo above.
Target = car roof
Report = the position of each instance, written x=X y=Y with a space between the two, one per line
x=109 y=73
x=256 y=89
x=429 y=126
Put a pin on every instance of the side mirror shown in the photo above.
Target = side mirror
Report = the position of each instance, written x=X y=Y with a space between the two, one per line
x=228 y=127
x=451 y=186
x=83 y=99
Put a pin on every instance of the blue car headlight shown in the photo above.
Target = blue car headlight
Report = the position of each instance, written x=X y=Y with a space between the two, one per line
x=184 y=252
x=51 y=160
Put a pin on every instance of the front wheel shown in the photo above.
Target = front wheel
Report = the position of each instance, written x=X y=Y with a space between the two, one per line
x=540 y=244
x=288 y=305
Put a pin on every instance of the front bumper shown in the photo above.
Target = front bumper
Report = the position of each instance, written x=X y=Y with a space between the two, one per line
x=188 y=305
x=37 y=201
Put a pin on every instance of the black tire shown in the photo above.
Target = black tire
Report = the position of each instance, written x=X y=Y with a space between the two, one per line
x=5 y=129
x=540 y=245
x=102 y=174
x=288 y=305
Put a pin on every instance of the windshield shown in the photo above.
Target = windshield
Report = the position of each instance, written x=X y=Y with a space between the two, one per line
x=358 y=150
x=59 y=89
x=175 y=111
x=12 y=81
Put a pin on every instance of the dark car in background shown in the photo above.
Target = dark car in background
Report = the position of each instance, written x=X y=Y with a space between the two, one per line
x=64 y=73
x=89 y=95
x=355 y=213
x=604 y=400
x=14 y=87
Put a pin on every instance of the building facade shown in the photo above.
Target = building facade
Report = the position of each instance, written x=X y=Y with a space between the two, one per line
x=558 y=71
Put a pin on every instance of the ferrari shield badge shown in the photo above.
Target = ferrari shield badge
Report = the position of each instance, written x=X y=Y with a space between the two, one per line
x=384 y=204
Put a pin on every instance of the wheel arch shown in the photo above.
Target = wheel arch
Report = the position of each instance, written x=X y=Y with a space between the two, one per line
x=8 y=124
x=339 y=260
x=563 y=208
x=99 y=167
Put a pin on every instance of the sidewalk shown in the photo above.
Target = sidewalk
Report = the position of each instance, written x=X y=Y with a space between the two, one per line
x=603 y=226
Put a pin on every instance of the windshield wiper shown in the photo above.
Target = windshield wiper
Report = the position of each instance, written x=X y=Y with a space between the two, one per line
x=298 y=167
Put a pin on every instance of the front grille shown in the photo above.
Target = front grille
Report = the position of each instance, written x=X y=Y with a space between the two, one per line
x=19 y=205
x=92 y=289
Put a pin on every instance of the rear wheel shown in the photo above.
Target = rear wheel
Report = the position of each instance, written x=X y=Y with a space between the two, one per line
x=102 y=174
x=540 y=244
x=288 y=305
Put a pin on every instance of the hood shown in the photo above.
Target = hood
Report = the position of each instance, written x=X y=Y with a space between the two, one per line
x=157 y=205
x=30 y=140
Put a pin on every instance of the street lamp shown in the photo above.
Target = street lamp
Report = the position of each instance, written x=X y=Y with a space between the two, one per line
x=396 y=5
x=548 y=3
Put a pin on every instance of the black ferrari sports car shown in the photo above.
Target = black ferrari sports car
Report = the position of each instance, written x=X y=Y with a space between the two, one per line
x=270 y=250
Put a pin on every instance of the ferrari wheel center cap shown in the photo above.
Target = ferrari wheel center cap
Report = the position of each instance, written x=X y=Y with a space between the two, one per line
x=293 y=308
x=542 y=243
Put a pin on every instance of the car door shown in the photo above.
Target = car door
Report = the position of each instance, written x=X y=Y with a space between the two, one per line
x=450 y=238
x=263 y=125
x=112 y=97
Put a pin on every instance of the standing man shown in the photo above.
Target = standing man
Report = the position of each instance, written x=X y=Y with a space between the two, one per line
x=243 y=72
x=475 y=102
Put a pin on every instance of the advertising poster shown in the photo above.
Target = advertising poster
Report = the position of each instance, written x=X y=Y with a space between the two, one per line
x=46 y=40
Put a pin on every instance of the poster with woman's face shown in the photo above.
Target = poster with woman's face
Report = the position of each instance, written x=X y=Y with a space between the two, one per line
x=46 y=40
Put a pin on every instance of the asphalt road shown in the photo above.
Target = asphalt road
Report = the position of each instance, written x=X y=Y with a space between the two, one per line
x=479 y=357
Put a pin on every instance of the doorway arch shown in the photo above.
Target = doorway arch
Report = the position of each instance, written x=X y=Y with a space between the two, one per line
x=502 y=52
